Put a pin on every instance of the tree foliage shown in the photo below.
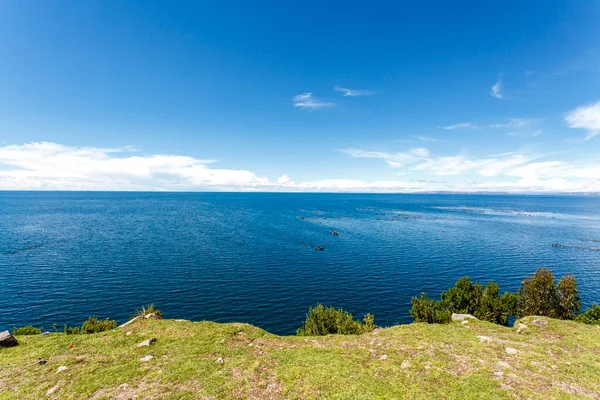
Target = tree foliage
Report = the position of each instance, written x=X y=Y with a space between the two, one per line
x=591 y=316
x=540 y=295
x=321 y=321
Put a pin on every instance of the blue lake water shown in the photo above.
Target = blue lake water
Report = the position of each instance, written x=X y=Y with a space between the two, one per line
x=239 y=256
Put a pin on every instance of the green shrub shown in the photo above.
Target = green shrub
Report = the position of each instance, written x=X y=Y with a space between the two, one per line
x=538 y=295
x=466 y=297
x=463 y=298
x=71 y=330
x=91 y=325
x=94 y=325
x=591 y=316
x=26 y=330
x=322 y=320
x=489 y=307
x=149 y=309
x=430 y=311
x=510 y=303
x=569 y=303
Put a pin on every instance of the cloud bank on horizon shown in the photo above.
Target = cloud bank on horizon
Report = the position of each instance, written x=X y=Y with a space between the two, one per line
x=52 y=166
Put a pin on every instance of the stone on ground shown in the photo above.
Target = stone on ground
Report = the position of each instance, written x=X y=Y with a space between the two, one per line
x=7 y=340
x=511 y=351
x=147 y=342
x=461 y=317
x=146 y=358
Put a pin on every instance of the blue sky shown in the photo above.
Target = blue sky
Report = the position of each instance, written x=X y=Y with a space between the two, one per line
x=300 y=96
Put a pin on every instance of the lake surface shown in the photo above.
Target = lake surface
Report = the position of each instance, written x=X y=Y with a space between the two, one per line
x=240 y=257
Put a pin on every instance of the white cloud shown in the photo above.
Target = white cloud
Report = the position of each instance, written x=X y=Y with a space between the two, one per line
x=51 y=166
x=353 y=92
x=426 y=139
x=497 y=89
x=462 y=125
x=540 y=175
x=585 y=117
x=516 y=123
x=308 y=101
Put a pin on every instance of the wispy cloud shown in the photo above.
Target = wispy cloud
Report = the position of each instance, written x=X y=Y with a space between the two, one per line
x=532 y=175
x=585 y=117
x=353 y=92
x=426 y=139
x=498 y=89
x=517 y=126
x=462 y=125
x=308 y=101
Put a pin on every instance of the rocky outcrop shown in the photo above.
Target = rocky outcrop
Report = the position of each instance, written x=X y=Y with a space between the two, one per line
x=334 y=233
x=130 y=321
x=461 y=317
x=7 y=340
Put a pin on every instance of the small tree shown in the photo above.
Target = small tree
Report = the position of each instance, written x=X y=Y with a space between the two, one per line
x=430 y=311
x=569 y=303
x=538 y=295
x=94 y=325
x=490 y=305
x=463 y=298
x=26 y=330
x=321 y=321
x=591 y=316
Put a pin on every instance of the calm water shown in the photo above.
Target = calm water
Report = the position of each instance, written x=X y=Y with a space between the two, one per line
x=239 y=257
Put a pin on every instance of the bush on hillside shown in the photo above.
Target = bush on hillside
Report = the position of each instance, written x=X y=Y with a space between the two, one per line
x=149 y=309
x=466 y=297
x=430 y=311
x=91 y=325
x=322 y=320
x=591 y=316
x=569 y=303
x=489 y=306
x=71 y=330
x=463 y=298
x=537 y=294
x=94 y=325
x=26 y=330
x=540 y=295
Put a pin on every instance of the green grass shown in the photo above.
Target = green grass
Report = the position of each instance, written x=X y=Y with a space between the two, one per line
x=560 y=360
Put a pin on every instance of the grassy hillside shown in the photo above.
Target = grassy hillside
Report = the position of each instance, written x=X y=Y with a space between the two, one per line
x=211 y=361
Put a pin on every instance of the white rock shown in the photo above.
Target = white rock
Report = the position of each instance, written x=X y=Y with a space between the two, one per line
x=465 y=322
x=383 y=357
x=146 y=358
x=405 y=364
x=130 y=321
x=52 y=390
x=484 y=339
x=147 y=342
x=521 y=328
x=461 y=317
x=504 y=364
x=511 y=351
x=61 y=368
x=128 y=333
x=219 y=361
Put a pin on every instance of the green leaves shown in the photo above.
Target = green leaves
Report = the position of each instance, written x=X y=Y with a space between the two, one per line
x=321 y=321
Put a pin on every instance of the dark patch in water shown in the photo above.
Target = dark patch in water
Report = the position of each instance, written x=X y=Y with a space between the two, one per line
x=572 y=246
x=24 y=249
